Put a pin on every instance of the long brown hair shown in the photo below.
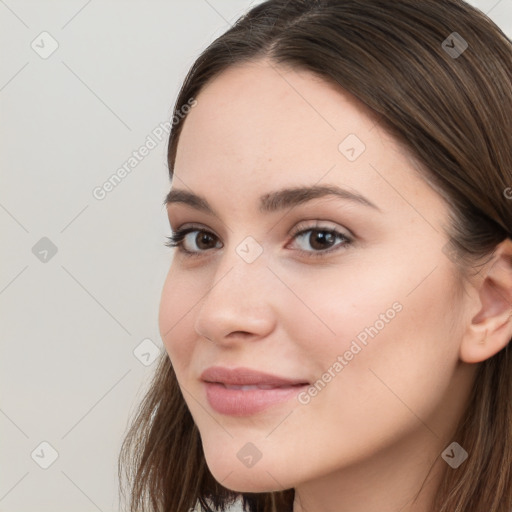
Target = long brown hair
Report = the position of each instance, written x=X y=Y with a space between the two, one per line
x=451 y=108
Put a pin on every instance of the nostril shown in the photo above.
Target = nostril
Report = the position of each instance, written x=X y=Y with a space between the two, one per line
x=240 y=333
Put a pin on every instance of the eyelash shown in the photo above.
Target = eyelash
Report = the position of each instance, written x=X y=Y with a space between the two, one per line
x=177 y=238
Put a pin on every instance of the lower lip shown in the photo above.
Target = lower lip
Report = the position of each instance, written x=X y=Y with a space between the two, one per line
x=238 y=402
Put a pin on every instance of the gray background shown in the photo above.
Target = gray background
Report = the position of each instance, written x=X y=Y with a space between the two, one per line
x=79 y=327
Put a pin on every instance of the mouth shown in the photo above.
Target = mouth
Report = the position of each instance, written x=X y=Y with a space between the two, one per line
x=257 y=386
x=238 y=378
x=245 y=391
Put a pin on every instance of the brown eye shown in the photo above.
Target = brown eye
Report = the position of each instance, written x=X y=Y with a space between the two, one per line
x=319 y=241
x=192 y=241
x=204 y=240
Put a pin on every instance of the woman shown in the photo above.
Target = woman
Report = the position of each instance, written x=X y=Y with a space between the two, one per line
x=341 y=212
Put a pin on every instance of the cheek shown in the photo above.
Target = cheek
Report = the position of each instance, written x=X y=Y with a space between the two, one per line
x=376 y=340
x=175 y=318
x=329 y=310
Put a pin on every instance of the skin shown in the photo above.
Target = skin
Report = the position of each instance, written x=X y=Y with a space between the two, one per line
x=367 y=440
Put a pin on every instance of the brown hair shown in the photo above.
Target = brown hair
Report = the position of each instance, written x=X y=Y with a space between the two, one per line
x=453 y=113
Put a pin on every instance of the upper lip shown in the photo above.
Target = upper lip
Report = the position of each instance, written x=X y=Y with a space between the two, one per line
x=246 y=377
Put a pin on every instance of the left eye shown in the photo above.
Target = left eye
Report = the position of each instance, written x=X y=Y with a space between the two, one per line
x=320 y=239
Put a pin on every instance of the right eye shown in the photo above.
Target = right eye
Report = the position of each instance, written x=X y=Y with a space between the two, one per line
x=192 y=241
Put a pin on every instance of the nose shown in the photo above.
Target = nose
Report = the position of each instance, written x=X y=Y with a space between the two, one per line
x=237 y=305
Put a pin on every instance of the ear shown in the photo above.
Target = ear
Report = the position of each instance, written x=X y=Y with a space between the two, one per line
x=490 y=329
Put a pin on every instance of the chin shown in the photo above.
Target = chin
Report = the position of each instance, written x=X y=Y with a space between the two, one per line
x=255 y=479
x=251 y=484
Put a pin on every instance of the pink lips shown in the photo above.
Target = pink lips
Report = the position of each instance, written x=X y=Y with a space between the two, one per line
x=266 y=390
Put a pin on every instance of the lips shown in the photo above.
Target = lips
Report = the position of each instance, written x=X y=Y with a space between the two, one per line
x=245 y=392
x=240 y=378
x=256 y=386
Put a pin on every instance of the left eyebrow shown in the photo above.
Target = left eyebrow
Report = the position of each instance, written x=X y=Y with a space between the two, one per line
x=274 y=201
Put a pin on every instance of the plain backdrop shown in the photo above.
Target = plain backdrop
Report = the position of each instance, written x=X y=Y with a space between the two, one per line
x=82 y=85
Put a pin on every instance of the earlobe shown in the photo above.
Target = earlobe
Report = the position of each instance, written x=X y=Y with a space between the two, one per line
x=490 y=330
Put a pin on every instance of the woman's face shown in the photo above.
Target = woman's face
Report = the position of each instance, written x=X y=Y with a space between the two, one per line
x=360 y=304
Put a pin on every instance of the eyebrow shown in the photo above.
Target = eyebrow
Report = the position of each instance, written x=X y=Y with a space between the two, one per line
x=273 y=201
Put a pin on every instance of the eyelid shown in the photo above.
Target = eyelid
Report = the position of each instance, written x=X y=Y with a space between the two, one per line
x=320 y=225
x=301 y=226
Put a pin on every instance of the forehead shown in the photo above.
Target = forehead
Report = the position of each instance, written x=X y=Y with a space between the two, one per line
x=258 y=126
x=258 y=112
